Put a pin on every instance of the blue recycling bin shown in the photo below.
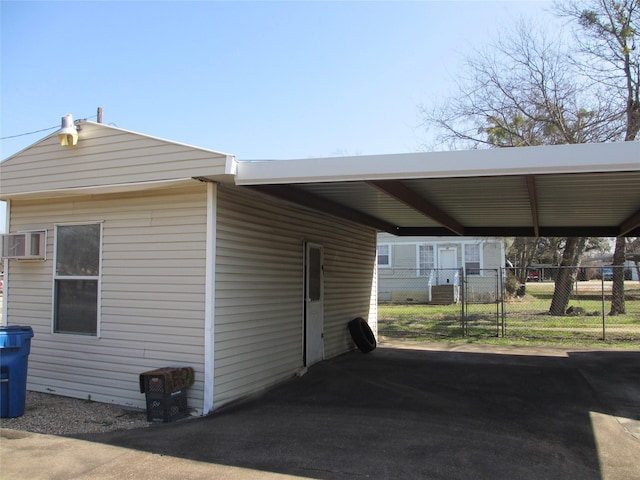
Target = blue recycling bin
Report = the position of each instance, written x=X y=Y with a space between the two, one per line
x=15 y=345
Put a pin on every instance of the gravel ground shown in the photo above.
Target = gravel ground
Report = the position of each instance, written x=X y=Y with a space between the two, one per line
x=56 y=415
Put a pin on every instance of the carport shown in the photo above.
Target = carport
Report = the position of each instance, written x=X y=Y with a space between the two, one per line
x=586 y=190
x=562 y=190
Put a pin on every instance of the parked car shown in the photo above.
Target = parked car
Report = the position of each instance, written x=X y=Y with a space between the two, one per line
x=533 y=275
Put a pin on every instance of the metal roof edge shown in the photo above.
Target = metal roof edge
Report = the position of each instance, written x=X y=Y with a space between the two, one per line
x=576 y=158
x=152 y=137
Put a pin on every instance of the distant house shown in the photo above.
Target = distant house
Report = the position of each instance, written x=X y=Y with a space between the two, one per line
x=431 y=269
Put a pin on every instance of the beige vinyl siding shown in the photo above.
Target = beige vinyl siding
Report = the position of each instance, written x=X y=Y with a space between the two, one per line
x=152 y=294
x=104 y=156
x=259 y=288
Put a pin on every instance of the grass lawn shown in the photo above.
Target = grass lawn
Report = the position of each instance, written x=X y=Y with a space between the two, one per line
x=522 y=320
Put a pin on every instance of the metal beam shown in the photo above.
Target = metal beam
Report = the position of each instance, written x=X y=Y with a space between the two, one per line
x=407 y=196
x=630 y=224
x=315 y=202
x=489 y=231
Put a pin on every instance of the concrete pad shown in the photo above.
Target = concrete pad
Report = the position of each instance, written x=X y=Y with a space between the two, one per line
x=30 y=456
x=427 y=411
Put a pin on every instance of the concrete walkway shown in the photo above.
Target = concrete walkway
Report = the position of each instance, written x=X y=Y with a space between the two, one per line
x=402 y=411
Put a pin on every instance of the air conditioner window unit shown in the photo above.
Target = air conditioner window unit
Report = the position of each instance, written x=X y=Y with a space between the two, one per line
x=25 y=245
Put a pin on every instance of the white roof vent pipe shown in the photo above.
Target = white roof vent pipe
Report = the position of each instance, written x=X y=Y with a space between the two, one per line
x=68 y=134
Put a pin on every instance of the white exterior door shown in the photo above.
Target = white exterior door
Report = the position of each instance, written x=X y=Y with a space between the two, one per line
x=448 y=264
x=314 y=304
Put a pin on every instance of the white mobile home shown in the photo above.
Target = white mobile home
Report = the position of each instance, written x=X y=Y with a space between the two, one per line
x=430 y=269
x=127 y=253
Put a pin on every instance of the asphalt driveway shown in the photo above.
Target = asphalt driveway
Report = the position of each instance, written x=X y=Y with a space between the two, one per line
x=404 y=413
x=452 y=413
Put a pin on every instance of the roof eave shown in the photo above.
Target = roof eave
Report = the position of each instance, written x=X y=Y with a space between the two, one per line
x=598 y=157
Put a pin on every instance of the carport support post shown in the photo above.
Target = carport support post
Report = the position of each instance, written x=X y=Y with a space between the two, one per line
x=463 y=303
x=497 y=290
x=604 y=321
x=500 y=275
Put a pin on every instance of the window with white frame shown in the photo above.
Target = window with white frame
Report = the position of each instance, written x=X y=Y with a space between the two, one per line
x=426 y=260
x=472 y=259
x=77 y=279
x=384 y=256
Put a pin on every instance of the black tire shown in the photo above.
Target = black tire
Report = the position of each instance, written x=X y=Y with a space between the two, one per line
x=362 y=335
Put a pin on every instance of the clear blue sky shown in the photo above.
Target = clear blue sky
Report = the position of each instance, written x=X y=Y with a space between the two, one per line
x=260 y=80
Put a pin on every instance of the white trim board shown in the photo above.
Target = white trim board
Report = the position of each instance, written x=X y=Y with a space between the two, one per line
x=582 y=158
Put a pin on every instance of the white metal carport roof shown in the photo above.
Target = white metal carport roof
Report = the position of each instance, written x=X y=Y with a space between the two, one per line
x=564 y=190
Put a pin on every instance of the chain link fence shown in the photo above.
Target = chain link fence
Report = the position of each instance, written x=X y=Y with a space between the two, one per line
x=554 y=305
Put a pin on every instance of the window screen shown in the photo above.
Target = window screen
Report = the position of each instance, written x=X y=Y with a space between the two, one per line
x=426 y=259
x=77 y=278
x=384 y=256
x=472 y=259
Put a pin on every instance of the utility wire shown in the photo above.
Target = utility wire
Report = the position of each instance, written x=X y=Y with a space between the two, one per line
x=37 y=131
x=29 y=133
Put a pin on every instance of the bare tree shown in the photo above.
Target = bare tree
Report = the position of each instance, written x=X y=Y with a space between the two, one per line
x=609 y=42
x=524 y=91
x=567 y=274
x=522 y=250
x=528 y=89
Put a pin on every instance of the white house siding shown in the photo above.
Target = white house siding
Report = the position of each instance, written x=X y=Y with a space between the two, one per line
x=104 y=156
x=259 y=288
x=486 y=287
x=400 y=282
x=493 y=254
x=152 y=300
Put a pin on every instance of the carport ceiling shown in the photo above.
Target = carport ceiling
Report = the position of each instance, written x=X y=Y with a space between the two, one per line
x=565 y=190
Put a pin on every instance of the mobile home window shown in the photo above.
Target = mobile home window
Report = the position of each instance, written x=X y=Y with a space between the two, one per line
x=77 y=278
x=472 y=259
x=425 y=260
x=384 y=256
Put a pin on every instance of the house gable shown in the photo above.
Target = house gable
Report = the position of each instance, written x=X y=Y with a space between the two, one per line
x=105 y=156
